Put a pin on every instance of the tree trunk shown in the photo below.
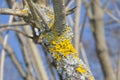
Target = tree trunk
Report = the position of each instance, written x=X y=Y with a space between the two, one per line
x=101 y=47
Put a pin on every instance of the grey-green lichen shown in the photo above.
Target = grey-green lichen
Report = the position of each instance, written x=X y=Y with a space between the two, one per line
x=65 y=56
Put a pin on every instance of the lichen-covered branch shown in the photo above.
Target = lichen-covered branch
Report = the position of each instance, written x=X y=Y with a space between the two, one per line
x=66 y=58
x=58 y=42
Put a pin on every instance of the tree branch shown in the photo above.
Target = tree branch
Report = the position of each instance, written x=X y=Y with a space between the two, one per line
x=76 y=24
x=14 y=59
x=60 y=15
x=6 y=11
x=88 y=8
x=25 y=50
x=70 y=11
x=113 y=17
x=36 y=58
x=13 y=24
x=14 y=29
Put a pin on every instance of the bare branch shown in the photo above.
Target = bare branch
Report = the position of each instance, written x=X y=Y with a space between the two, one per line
x=13 y=24
x=70 y=11
x=14 y=29
x=88 y=8
x=3 y=50
x=2 y=60
x=13 y=4
x=7 y=11
x=76 y=24
x=14 y=59
x=37 y=61
x=113 y=17
x=85 y=59
x=27 y=59
x=106 y=5
x=98 y=33
x=69 y=3
x=82 y=27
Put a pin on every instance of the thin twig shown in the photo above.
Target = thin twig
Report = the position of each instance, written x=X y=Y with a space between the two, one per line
x=88 y=8
x=3 y=52
x=27 y=59
x=14 y=29
x=81 y=44
x=3 y=59
x=106 y=5
x=82 y=27
x=13 y=58
x=11 y=3
x=76 y=24
x=84 y=54
x=36 y=58
x=117 y=9
x=70 y=11
x=113 y=17
x=18 y=24
x=69 y=3
x=7 y=11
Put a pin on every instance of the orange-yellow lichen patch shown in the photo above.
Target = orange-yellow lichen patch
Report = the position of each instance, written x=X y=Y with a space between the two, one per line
x=65 y=47
x=81 y=69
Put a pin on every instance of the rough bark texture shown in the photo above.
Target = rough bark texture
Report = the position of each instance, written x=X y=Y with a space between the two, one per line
x=101 y=47
x=58 y=43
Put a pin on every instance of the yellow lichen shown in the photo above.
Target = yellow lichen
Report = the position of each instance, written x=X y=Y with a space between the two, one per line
x=57 y=57
x=65 y=47
x=25 y=11
x=81 y=69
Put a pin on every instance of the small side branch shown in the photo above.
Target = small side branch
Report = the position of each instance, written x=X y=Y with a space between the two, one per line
x=13 y=57
x=6 y=11
x=14 y=29
x=13 y=24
